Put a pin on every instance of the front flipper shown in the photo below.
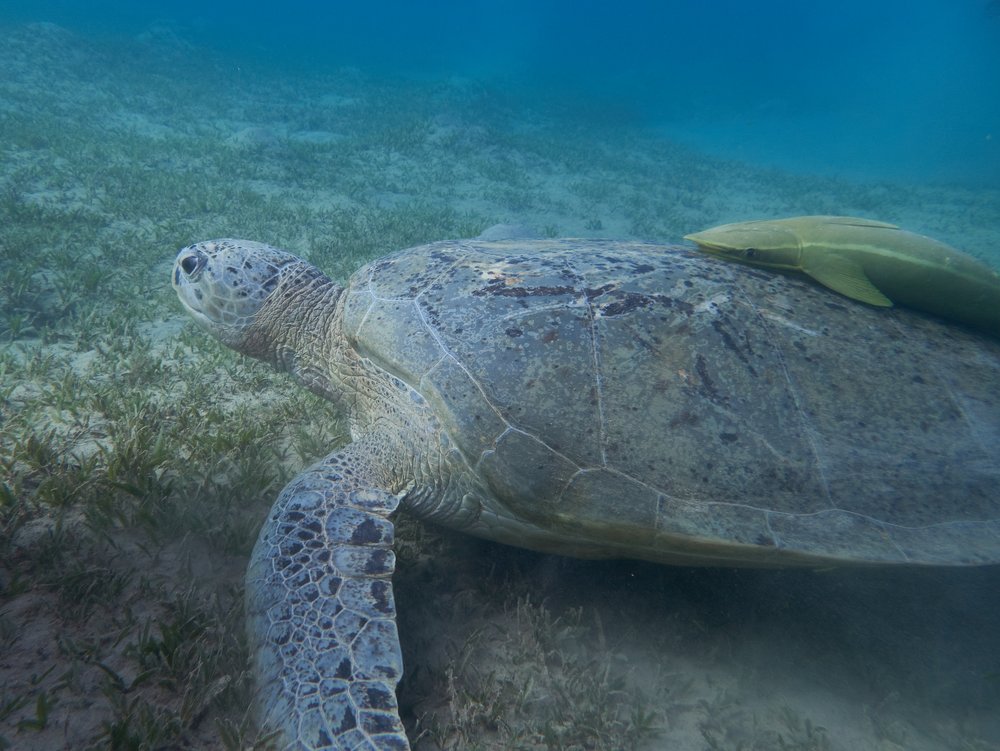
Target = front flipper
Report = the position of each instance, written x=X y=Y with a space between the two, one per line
x=320 y=611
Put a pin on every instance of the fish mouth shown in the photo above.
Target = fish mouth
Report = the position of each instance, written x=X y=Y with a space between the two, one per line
x=708 y=247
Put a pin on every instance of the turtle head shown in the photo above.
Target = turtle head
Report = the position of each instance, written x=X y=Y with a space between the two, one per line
x=246 y=293
x=762 y=243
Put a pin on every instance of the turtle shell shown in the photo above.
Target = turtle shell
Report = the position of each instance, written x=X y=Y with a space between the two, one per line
x=660 y=404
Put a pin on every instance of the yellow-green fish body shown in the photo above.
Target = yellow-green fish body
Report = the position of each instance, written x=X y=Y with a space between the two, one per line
x=870 y=261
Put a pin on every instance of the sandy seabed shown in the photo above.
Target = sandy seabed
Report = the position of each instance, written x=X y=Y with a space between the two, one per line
x=139 y=458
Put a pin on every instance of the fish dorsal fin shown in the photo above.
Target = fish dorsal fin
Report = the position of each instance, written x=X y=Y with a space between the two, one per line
x=856 y=221
x=845 y=276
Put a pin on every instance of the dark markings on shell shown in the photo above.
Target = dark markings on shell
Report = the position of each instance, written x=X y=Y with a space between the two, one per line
x=706 y=380
x=502 y=289
x=626 y=302
x=728 y=340
x=576 y=354
x=592 y=292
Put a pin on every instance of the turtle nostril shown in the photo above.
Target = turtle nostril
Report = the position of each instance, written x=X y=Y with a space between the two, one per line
x=189 y=264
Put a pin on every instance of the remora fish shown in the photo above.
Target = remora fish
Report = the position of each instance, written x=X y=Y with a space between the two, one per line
x=870 y=261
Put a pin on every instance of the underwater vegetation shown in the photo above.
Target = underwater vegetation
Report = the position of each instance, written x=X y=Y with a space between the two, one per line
x=138 y=458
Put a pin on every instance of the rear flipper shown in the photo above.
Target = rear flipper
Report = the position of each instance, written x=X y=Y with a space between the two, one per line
x=320 y=611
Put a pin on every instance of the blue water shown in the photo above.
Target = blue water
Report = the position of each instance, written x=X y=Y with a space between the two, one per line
x=877 y=89
x=114 y=152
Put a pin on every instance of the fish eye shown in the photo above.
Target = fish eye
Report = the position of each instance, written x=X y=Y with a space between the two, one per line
x=750 y=252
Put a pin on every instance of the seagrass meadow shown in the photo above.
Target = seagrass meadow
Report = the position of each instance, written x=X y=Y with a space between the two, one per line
x=138 y=457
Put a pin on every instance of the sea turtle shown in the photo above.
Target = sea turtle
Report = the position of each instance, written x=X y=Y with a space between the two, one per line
x=590 y=398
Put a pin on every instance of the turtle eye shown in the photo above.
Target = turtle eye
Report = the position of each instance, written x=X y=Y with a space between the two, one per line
x=750 y=252
x=190 y=264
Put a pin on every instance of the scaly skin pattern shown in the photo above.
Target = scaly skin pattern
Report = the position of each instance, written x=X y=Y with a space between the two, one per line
x=592 y=398
x=320 y=610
